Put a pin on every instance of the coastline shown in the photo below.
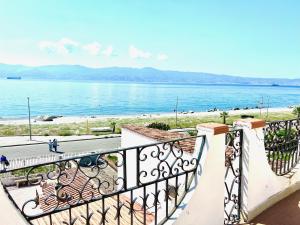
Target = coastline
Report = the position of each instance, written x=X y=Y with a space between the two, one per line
x=81 y=119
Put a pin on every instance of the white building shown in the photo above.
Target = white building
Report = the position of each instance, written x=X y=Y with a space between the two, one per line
x=159 y=161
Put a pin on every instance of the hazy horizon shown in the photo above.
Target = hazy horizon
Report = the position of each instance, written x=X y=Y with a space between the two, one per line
x=167 y=70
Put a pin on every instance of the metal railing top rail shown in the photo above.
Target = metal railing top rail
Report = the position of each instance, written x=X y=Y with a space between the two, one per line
x=144 y=177
x=276 y=121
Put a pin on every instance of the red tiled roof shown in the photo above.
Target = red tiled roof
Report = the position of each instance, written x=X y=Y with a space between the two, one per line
x=79 y=184
x=187 y=145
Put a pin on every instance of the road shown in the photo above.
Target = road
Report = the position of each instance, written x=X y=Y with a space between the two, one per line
x=70 y=146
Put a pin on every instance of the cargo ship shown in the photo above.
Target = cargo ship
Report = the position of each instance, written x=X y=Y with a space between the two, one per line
x=14 y=78
x=275 y=85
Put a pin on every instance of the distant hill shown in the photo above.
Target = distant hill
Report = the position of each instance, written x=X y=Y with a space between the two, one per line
x=123 y=74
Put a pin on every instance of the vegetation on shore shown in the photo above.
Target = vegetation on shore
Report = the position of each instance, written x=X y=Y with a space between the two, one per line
x=84 y=127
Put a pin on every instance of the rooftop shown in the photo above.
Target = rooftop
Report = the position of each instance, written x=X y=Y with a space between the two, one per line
x=187 y=145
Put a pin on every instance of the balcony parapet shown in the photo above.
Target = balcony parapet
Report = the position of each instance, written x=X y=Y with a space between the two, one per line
x=206 y=205
x=10 y=215
x=261 y=187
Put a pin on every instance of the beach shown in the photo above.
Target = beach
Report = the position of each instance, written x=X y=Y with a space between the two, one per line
x=81 y=119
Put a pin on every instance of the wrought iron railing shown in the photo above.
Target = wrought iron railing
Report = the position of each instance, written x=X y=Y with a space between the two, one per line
x=282 y=145
x=137 y=185
x=233 y=165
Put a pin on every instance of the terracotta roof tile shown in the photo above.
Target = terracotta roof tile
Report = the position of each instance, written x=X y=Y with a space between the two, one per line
x=78 y=184
x=187 y=145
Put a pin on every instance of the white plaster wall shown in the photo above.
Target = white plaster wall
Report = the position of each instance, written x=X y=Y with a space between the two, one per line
x=205 y=205
x=261 y=187
x=295 y=179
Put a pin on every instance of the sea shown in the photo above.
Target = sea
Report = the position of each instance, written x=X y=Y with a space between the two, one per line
x=88 y=98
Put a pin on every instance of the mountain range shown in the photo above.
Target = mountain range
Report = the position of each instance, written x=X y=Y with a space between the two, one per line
x=124 y=74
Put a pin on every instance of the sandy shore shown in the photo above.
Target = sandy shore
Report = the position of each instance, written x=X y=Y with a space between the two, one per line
x=80 y=119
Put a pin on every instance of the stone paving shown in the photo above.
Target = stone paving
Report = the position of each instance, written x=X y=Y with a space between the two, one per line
x=285 y=212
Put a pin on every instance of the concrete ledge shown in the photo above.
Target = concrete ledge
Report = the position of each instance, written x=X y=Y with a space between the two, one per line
x=10 y=215
x=215 y=128
x=251 y=123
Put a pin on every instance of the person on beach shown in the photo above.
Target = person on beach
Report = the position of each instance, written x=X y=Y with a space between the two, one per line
x=54 y=143
x=50 y=145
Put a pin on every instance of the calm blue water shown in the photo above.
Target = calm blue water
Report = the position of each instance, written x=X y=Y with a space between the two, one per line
x=90 y=98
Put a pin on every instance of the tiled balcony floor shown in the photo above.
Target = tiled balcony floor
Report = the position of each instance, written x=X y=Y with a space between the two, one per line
x=285 y=212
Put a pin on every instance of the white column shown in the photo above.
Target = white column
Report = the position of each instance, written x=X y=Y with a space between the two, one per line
x=259 y=182
x=206 y=206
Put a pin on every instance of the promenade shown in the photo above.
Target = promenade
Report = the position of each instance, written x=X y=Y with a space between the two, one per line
x=17 y=147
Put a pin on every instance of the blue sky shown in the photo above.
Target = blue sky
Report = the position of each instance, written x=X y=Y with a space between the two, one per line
x=249 y=38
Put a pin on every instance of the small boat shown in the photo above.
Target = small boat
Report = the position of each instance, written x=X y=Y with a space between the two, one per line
x=275 y=85
x=14 y=78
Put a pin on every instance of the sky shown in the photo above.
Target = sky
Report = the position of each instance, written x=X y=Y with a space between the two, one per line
x=258 y=38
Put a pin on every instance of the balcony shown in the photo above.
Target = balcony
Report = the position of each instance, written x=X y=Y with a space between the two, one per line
x=220 y=176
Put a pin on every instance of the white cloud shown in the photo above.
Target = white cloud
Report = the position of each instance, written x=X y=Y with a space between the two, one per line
x=47 y=45
x=137 y=53
x=162 y=57
x=62 y=46
x=108 y=51
x=92 y=48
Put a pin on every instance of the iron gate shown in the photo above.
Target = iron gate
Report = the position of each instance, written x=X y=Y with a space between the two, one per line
x=233 y=165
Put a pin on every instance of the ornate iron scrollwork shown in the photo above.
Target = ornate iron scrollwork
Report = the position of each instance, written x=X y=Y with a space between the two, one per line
x=95 y=188
x=233 y=165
